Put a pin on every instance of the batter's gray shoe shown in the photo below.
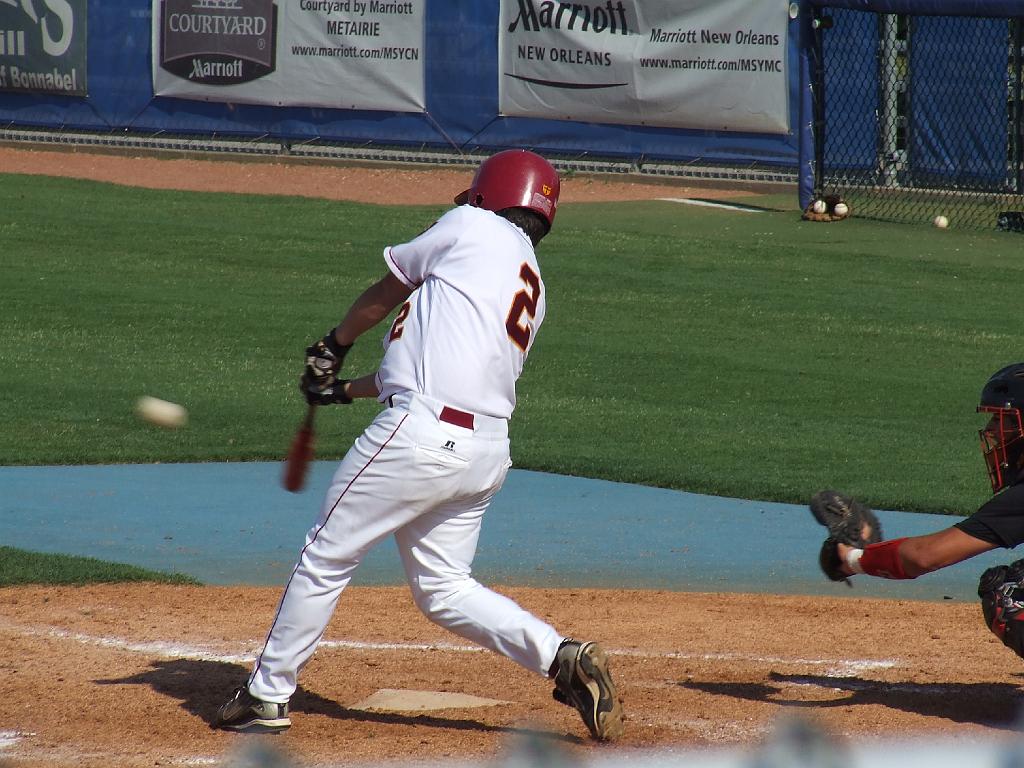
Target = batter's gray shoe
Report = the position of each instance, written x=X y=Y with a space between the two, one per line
x=582 y=681
x=244 y=712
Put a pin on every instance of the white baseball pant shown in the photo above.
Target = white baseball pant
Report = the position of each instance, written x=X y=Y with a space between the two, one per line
x=428 y=482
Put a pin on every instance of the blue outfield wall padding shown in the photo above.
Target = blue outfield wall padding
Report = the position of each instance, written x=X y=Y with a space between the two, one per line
x=990 y=8
x=852 y=110
x=460 y=55
x=941 y=144
x=805 y=127
x=849 y=45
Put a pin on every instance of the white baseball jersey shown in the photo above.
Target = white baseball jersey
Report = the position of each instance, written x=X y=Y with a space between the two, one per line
x=478 y=300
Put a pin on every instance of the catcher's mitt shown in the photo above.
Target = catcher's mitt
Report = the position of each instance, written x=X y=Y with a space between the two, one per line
x=849 y=522
x=1001 y=590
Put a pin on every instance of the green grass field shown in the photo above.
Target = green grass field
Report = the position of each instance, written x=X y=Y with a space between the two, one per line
x=746 y=355
x=20 y=567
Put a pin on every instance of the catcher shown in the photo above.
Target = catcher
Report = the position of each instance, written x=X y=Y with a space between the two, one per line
x=855 y=544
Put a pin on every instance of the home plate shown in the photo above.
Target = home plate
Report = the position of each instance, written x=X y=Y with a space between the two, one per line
x=395 y=700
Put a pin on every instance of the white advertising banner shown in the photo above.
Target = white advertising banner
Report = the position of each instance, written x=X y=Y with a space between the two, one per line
x=344 y=54
x=716 y=65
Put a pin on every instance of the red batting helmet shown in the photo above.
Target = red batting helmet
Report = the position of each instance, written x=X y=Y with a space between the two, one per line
x=515 y=178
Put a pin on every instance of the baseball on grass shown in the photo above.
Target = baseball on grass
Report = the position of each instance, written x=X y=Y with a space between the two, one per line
x=841 y=209
x=818 y=206
x=162 y=413
x=940 y=221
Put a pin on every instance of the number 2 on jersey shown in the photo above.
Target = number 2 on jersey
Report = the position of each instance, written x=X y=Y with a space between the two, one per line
x=523 y=302
x=399 y=325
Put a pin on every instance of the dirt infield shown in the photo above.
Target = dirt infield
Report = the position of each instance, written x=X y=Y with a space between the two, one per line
x=131 y=675
x=399 y=185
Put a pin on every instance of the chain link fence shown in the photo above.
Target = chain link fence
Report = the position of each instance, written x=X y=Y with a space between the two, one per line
x=920 y=116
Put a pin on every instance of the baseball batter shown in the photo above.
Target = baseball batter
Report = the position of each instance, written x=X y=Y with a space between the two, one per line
x=470 y=302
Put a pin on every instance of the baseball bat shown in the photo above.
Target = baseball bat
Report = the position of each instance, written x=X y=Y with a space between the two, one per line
x=300 y=453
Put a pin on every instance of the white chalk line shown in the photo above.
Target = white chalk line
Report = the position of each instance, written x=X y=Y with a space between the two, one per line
x=162 y=649
x=839 y=668
x=165 y=649
x=10 y=738
x=709 y=204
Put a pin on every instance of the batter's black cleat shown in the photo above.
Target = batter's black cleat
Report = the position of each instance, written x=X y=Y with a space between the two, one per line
x=244 y=712
x=582 y=681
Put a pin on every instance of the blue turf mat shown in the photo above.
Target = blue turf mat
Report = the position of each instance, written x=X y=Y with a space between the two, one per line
x=233 y=524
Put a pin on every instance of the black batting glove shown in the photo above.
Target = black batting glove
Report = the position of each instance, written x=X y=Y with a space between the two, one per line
x=324 y=360
x=333 y=394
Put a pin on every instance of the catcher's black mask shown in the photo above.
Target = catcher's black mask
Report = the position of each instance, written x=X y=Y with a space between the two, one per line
x=1001 y=438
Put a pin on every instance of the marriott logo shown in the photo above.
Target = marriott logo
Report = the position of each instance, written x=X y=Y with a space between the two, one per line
x=218 y=42
x=607 y=17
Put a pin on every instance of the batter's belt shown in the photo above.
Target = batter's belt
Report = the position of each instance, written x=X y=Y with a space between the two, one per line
x=428 y=406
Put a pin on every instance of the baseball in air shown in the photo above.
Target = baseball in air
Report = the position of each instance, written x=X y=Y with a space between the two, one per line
x=841 y=209
x=940 y=221
x=819 y=206
x=162 y=413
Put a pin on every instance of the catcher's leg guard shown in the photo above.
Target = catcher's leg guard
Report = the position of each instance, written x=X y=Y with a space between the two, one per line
x=1001 y=590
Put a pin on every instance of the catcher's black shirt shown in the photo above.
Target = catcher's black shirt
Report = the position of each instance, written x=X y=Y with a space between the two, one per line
x=1000 y=520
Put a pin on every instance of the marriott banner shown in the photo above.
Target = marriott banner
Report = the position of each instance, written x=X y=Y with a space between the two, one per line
x=702 y=64
x=344 y=54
